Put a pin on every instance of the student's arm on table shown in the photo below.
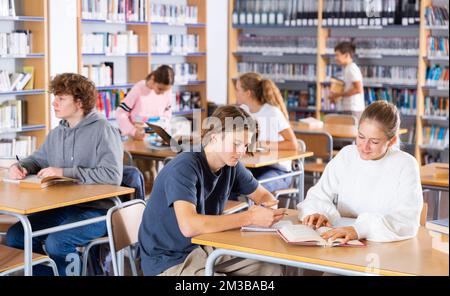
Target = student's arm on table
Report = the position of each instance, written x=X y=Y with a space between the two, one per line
x=192 y=224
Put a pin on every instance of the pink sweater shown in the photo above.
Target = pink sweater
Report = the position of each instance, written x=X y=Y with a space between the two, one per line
x=140 y=104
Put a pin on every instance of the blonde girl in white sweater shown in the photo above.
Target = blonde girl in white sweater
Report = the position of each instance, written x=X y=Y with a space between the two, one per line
x=371 y=181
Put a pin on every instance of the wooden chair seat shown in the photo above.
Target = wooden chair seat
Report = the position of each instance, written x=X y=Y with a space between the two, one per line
x=12 y=258
x=6 y=222
x=313 y=167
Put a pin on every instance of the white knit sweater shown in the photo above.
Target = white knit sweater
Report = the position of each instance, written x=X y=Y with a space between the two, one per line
x=385 y=195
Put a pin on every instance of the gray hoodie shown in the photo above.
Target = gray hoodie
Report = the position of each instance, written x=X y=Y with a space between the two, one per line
x=91 y=152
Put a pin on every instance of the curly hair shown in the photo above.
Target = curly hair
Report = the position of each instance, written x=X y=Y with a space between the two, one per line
x=81 y=88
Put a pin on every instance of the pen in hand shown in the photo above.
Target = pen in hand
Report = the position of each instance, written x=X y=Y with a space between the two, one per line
x=19 y=165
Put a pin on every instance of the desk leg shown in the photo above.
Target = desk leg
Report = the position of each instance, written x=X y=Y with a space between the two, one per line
x=27 y=245
x=210 y=262
x=437 y=205
x=301 y=182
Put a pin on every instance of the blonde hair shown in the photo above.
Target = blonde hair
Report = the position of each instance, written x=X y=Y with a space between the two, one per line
x=386 y=114
x=263 y=90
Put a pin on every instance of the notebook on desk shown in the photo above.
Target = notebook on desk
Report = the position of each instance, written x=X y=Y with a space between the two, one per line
x=273 y=228
x=35 y=182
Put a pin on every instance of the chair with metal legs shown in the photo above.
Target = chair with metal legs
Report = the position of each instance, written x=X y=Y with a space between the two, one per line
x=123 y=222
x=12 y=260
x=294 y=190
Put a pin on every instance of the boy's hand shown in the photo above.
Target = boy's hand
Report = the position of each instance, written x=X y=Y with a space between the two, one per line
x=264 y=217
x=16 y=173
x=50 y=172
x=270 y=204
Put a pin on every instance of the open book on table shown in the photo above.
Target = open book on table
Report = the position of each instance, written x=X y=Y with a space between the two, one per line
x=34 y=182
x=304 y=235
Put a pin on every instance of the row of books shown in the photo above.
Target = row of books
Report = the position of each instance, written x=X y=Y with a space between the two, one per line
x=18 y=42
x=277 y=44
x=184 y=72
x=109 y=100
x=185 y=101
x=7 y=8
x=436 y=106
x=369 y=13
x=436 y=16
x=376 y=74
x=437 y=46
x=437 y=76
x=101 y=74
x=21 y=146
x=280 y=71
x=12 y=113
x=275 y=12
x=114 y=10
x=174 y=14
x=435 y=136
x=302 y=98
x=12 y=81
x=175 y=44
x=110 y=43
x=404 y=99
x=402 y=46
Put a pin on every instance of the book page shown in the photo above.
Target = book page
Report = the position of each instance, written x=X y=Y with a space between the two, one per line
x=301 y=233
x=32 y=179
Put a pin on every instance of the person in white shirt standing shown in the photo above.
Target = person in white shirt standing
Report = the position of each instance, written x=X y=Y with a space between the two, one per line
x=262 y=98
x=371 y=181
x=352 y=98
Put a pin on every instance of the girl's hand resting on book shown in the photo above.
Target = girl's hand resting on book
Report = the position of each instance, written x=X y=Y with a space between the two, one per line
x=265 y=217
x=316 y=221
x=16 y=173
x=347 y=233
x=50 y=172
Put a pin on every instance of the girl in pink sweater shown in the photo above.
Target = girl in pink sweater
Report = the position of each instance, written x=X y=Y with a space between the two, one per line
x=148 y=98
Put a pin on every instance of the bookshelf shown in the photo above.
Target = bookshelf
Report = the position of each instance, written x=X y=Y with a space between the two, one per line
x=138 y=64
x=409 y=27
x=426 y=122
x=30 y=15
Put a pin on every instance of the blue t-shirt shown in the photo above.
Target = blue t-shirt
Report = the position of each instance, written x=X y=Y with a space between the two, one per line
x=187 y=177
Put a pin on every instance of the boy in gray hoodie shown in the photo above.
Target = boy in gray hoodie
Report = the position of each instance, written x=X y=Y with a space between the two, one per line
x=84 y=146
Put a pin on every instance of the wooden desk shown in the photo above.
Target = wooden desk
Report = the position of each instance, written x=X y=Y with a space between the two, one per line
x=428 y=177
x=273 y=157
x=28 y=201
x=233 y=206
x=410 y=257
x=340 y=131
x=19 y=202
x=436 y=183
x=138 y=148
